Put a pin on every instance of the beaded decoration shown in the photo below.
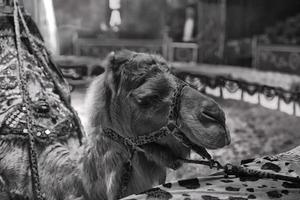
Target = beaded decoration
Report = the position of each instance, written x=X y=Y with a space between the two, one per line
x=53 y=118
x=34 y=103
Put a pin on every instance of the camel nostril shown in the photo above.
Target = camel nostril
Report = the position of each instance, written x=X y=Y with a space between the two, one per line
x=213 y=110
x=227 y=136
x=209 y=115
x=217 y=116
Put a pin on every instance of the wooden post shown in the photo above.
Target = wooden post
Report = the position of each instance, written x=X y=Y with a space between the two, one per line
x=255 y=53
x=222 y=28
x=211 y=29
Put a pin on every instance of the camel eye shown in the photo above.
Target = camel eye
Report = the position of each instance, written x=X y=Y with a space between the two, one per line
x=148 y=101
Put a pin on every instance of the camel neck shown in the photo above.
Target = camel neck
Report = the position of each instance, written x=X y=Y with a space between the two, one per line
x=103 y=167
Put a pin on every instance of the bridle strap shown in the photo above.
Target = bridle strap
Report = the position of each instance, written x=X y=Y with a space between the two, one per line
x=172 y=119
x=132 y=144
x=111 y=134
x=175 y=106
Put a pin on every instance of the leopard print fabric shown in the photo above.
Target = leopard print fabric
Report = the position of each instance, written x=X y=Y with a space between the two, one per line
x=232 y=188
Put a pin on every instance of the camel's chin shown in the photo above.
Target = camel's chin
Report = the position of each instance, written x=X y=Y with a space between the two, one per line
x=175 y=146
x=210 y=137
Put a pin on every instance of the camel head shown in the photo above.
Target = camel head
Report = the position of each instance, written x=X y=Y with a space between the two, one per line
x=137 y=97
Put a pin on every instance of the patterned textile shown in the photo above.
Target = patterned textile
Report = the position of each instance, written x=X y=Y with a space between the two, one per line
x=220 y=187
x=49 y=93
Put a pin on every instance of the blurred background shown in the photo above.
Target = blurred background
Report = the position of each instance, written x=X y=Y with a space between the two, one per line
x=243 y=53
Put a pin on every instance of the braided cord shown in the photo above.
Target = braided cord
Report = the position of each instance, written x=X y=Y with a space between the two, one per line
x=127 y=166
x=27 y=109
x=172 y=117
x=175 y=106
x=133 y=144
x=127 y=170
x=41 y=59
x=241 y=171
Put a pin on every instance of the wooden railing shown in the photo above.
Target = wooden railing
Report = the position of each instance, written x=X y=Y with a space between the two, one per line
x=183 y=52
x=278 y=58
x=172 y=51
x=100 y=48
x=81 y=70
x=264 y=57
x=274 y=98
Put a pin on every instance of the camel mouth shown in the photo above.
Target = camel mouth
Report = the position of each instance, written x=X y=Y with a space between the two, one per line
x=220 y=140
x=204 y=124
x=199 y=149
x=212 y=134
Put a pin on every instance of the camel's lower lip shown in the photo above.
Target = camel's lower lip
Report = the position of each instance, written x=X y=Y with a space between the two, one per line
x=219 y=142
x=199 y=149
x=202 y=152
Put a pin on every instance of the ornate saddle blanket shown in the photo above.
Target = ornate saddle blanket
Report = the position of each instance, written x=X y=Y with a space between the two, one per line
x=53 y=117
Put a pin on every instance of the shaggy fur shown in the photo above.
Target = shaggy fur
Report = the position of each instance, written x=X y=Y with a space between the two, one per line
x=132 y=97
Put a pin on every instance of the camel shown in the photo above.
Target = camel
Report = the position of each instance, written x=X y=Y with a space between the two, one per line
x=132 y=97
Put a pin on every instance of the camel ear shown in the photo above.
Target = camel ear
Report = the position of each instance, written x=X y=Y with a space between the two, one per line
x=115 y=59
x=114 y=62
x=109 y=60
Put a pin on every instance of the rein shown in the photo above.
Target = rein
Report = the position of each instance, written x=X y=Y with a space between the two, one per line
x=240 y=171
x=132 y=144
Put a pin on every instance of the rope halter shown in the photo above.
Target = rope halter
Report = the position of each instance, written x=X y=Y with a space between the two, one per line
x=169 y=128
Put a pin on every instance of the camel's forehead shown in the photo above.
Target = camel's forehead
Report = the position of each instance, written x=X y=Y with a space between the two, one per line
x=143 y=68
x=145 y=63
x=152 y=79
x=150 y=58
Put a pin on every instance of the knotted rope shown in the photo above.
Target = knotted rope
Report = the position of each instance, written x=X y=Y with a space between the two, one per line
x=240 y=171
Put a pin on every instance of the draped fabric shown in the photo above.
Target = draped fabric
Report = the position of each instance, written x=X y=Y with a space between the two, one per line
x=270 y=97
x=220 y=187
x=49 y=93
